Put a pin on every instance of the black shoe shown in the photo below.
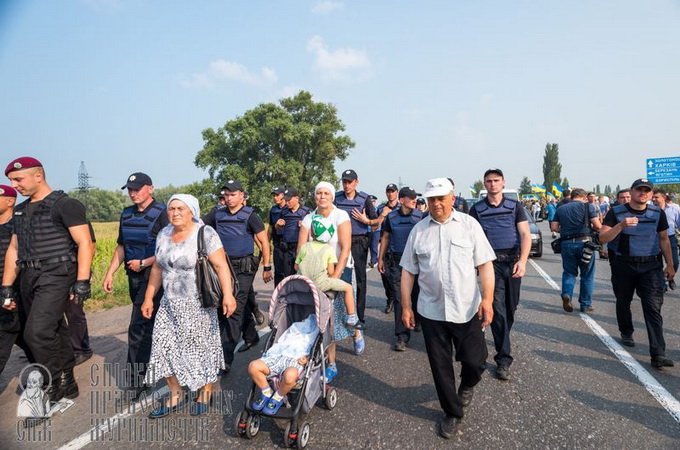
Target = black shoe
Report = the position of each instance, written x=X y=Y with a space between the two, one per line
x=82 y=357
x=417 y=328
x=448 y=426
x=671 y=285
x=400 y=346
x=627 y=340
x=226 y=370
x=503 y=372
x=566 y=303
x=466 y=394
x=247 y=346
x=54 y=392
x=259 y=317
x=68 y=385
x=389 y=308
x=661 y=361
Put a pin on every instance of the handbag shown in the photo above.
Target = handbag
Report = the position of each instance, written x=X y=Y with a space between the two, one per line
x=207 y=281
x=557 y=245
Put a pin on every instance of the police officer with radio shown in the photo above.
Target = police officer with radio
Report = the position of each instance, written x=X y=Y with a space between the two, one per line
x=395 y=230
x=289 y=225
x=506 y=227
x=276 y=236
x=136 y=246
x=52 y=246
x=362 y=215
x=240 y=229
x=637 y=237
x=391 y=191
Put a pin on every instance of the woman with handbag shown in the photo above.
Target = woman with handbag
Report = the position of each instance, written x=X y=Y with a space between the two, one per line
x=186 y=348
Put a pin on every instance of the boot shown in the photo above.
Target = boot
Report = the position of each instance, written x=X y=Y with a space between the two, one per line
x=67 y=382
x=54 y=391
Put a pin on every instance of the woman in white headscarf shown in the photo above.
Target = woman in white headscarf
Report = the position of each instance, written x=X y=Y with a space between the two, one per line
x=341 y=241
x=185 y=348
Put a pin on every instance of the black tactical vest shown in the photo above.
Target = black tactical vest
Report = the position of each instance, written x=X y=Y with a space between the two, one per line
x=5 y=238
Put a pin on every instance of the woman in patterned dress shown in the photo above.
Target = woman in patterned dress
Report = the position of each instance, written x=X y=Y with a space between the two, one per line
x=186 y=348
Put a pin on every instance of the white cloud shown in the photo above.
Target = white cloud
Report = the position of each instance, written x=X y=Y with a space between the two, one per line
x=327 y=7
x=343 y=64
x=221 y=70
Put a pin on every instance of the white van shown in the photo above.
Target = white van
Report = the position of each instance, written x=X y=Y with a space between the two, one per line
x=509 y=193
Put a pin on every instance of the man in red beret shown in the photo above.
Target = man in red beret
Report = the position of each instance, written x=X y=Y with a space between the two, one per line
x=52 y=246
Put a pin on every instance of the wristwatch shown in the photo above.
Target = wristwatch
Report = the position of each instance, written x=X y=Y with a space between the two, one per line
x=267 y=268
x=141 y=264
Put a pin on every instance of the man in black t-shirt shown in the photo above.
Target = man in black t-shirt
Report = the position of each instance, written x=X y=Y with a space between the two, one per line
x=637 y=234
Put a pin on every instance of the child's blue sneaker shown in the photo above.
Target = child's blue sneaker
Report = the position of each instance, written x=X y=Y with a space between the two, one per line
x=272 y=406
x=331 y=373
x=359 y=344
x=260 y=402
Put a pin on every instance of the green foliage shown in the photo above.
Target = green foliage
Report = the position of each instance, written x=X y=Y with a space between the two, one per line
x=293 y=143
x=552 y=168
x=525 y=186
x=565 y=183
x=162 y=195
x=597 y=189
x=479 y=185
x=102 y=206
x=618 y=188
x=607 y=190
x=107 y=234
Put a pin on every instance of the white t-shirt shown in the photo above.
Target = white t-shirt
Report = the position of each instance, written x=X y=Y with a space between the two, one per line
x=337 y=216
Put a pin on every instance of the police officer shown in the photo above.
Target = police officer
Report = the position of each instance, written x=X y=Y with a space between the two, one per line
x=289 y=225
x=392 y=203
x=637 y=234
x=362 y=214
x=11 y=322
x=459 y=204
x=395 y=230
x=51 y=244
x=374 y=237
x=505 y=224
x=239 y=229
x=139 y=225
x=276 y=236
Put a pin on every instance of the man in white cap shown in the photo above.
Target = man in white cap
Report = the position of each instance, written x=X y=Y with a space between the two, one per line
x=444 y=249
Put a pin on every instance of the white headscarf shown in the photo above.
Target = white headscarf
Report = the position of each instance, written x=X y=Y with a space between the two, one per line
x=327 y=185
x=191 y=202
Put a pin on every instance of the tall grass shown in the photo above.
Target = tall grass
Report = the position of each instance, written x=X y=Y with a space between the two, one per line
x=106 y=233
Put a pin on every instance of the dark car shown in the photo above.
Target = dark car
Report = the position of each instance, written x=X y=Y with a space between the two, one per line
x=536 y=238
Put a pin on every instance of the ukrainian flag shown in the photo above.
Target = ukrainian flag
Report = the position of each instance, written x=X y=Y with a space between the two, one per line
x=557 y=189
x=539 y=188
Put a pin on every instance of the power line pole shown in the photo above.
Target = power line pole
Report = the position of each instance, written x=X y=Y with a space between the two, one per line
x=83 y=178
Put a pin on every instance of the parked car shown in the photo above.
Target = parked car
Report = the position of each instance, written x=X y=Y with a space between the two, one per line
x=536 y=238
x=509 y=193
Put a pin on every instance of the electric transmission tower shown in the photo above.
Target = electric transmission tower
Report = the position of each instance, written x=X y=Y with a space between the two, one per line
x=83 y=178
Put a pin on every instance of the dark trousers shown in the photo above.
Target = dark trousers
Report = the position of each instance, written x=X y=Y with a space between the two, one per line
x=279 y=270
x=242 y=318
x=646 y=280
x=360 y=255
x=289 y=259
x=674 y=250
x=505 y=301
x=44 y=293
x=387 y=282
x=77 y=326
x=468 y=340
x=11 y=325
x=375 y=240
x=394 y=273
x=140 y=330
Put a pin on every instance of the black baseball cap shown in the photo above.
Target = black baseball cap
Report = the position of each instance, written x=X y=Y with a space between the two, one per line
x=406 y=191
x=496 y=171
x=232 y=186
x=391 y=187
x=373 y=197
x=421 y=201
x=290 y=192
x=642 y=182
x=277 y=190
x=137 y=181
x=349 y=175
x=452 y=183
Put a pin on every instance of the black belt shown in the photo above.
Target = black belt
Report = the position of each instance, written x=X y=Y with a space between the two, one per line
x=291 y=245
x=635 y=259
x=501 y=258
x=359 y=236
x=36 y=264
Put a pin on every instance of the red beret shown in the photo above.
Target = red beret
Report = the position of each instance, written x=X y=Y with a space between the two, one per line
x=25 y=162
x=7 y=191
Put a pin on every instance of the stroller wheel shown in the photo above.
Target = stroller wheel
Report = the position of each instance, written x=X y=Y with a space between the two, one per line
x=240 y=423
x=290 y=435
x=252 y=426
x=303 y=435
x=331 y=398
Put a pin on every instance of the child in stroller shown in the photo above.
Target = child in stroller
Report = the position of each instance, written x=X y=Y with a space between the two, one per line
x=285 y=359
x=316 y=260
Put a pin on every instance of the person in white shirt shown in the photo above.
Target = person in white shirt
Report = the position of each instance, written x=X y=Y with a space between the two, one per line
x=444 y=249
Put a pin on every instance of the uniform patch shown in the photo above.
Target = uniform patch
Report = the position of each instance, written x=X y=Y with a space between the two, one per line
x=132 y=178
x=17 y=165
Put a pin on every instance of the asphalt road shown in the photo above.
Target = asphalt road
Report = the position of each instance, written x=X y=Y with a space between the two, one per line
x=568 y=389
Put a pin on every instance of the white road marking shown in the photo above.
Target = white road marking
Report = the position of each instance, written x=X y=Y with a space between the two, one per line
x=141 y=405
x=665 y=398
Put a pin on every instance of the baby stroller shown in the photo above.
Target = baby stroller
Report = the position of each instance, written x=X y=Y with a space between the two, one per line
x=293 y=300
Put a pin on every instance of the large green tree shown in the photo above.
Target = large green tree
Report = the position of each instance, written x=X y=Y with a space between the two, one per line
x=292 y=143
x=101 y=205
x=552 y=168
x=525 y=186
x=479 y=185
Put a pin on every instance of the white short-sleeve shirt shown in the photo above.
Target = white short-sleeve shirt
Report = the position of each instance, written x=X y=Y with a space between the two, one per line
x=445 y=256
x=336 y=216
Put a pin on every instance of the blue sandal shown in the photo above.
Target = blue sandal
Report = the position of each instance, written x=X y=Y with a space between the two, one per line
x=359 y=344
x=260 y=402
x=273 y=406
x=331 y=373
x=163 y=409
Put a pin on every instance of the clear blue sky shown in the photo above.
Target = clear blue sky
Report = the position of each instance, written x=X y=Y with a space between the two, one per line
x=426 y=89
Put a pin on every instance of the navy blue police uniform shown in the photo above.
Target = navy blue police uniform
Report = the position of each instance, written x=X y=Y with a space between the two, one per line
x=291 y=231
x=399 y=225
x=374 y=236
x=137 y=232
x=236 y=231
x=387 y=284
x=279 y=247
x=636 y=266
x=500 y=226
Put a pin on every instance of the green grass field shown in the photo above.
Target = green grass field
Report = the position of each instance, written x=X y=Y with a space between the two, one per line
x=106 y=234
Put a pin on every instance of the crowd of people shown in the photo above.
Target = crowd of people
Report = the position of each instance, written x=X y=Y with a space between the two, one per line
x=448 y=269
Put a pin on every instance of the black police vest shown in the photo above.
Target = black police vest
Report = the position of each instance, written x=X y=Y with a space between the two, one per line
x=233 y=231
x=274 y=215
x=499 y=224
x=39 y=238
x=347 y=205
x=136 y=231
x=401 y=227
x=643 y=239
x=291 y=230
x=5 y=238
x=379 y=211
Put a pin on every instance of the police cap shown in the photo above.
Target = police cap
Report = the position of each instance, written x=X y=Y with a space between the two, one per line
x=232 y=186
x=7 y=191
x=277 y=190
x=290 y=193
x=22 y=163
x=137 y=180
x=349 y=175
x=642 y=182
x=407 y=192
x=391 y=187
